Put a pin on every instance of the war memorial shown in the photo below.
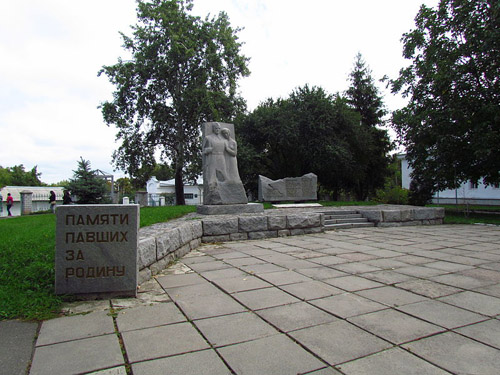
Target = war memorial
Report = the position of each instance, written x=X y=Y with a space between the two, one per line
x=308 y=290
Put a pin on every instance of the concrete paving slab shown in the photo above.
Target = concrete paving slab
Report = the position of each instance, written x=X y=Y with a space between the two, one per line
x=75 y=327
x=428 y=288
x=461 y=281
x=241 y=283
x=492 y=290
x=320 y=273
x=16 y=346
x=413 y=259
x=204 y=301
x=311 y=290
x=175 y=281
x=442 y=314
x=386 y=263
x=448 y=266
x=356 y=268
x=457 y=354
x=148 y=316
x=223 y=274
x=297 y=264
x=205 y=362
x=246 y=261
x=263 y=298
x=489 y=276
x=121 y=370
x=328 y=260
x=209 y=266
x=391 y=296
x=235 y=328
x=387 y=277
x=391 y=362
x=420 y=271
x=151 y=343
x=357 y=257
x=347 y=304
x=339 y=341
x=487 y=332
x=323 y=371
x=352 y=283
x=276 y=354
x=284 y=277
x=259 y=269
x=295 y=316
x=79 y=356
x=475 y=302
x=395 y=326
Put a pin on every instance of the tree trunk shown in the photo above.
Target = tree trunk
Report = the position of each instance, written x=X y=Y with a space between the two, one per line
x=179 y=186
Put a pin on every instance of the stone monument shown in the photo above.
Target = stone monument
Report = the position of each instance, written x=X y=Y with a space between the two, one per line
x=223 y=191
x=288 y=189
x=96 y=249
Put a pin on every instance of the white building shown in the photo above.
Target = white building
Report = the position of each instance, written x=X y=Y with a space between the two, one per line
x=40 y=198
x=468 y=192
x=193 y=194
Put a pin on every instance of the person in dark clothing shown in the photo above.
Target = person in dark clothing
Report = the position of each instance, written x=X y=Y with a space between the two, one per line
x=52 y=201
x=66 y=198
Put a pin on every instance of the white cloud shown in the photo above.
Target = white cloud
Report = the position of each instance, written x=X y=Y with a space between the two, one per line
x=52 y=50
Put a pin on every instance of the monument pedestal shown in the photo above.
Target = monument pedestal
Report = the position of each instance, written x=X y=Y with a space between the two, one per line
x=228 y=209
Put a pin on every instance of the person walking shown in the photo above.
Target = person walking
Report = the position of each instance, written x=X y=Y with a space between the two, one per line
x=10 y=202
x=52 y=201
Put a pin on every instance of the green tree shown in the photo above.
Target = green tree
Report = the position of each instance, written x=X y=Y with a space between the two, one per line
x=451 y=125
x=86 y=186
x=373 y=161
x=18 y=176
x=183 y=71
x=311 y=131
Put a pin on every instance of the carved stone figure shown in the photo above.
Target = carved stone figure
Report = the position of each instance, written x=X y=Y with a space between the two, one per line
x=221 y=180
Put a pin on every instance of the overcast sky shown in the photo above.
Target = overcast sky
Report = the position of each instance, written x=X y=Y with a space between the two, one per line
x=51 y=51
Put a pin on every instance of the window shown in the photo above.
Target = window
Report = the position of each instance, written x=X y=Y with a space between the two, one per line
x=188 y=196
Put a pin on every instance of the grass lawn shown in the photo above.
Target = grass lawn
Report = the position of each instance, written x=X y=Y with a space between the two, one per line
x=463 y=214
x=27 y=253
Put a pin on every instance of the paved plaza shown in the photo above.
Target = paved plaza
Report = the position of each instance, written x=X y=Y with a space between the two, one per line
x=402 y=300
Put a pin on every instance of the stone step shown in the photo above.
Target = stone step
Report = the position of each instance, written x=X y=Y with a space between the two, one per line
x=347 y=216
x=344 y=220
x=339 y=212
x=349 y=225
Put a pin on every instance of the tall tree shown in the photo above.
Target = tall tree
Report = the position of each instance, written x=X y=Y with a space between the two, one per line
x=451 y=126
x=311 y=131
x=364 y=97
x=86 y=186
x=183 y=71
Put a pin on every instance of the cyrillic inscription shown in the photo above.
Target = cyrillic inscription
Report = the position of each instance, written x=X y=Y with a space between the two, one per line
x=96 y=249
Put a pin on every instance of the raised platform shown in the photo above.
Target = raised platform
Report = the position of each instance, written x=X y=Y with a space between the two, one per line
x=297 y=205
x=230 y=209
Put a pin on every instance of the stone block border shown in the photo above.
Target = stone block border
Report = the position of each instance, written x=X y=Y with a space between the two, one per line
x=162 y=243
x=396 y=216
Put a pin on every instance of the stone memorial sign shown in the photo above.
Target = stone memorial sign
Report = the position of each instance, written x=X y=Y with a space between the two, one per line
x=288 y=189
x=96 y=249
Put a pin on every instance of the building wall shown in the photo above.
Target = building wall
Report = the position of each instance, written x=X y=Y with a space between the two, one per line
x=40 y=198
x=193 y=194
x=466 y=193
